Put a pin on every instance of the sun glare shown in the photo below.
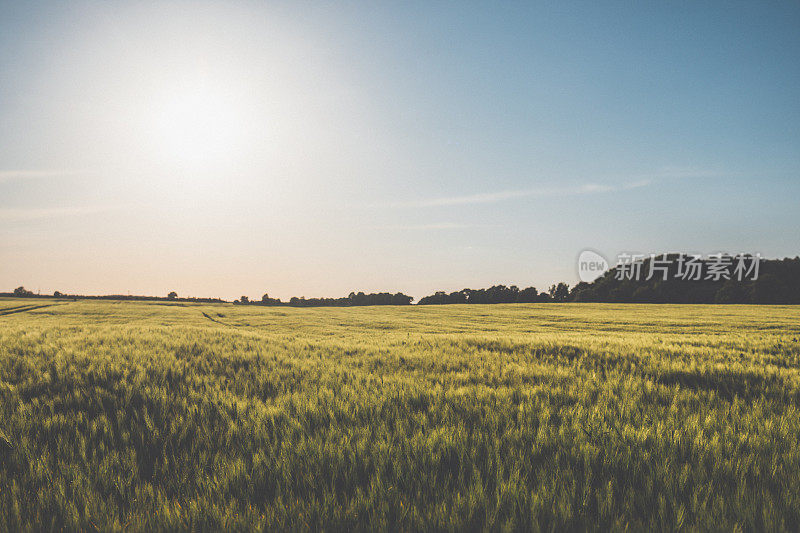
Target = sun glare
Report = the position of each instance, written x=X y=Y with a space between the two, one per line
x=199 y=127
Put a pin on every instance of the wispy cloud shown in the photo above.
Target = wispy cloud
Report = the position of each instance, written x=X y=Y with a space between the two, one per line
x=28 y=214
x=666 y=173
x=636 y=184
x=432 y=226
x=8 y=175
x=481 y=198
x=498 y=196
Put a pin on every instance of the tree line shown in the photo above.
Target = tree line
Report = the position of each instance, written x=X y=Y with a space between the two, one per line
x=353 y=299
x=777 y=282
x=22 y=292
x=499 y=294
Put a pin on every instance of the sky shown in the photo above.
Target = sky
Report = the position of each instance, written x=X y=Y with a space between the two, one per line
x=221 y=149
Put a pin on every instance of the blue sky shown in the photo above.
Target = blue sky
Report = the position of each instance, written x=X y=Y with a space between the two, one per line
x=220 y=149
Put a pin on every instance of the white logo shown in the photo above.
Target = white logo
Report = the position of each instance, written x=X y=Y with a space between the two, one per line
x=591 y=265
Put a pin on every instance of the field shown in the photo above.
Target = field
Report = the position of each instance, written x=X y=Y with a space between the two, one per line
x=160 y=416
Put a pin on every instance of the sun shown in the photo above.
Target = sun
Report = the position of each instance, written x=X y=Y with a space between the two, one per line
x=199 y=127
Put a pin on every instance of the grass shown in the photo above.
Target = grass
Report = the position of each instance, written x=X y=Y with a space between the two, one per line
x=154 y=416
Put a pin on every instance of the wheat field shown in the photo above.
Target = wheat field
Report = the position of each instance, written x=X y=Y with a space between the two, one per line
x=169 y=416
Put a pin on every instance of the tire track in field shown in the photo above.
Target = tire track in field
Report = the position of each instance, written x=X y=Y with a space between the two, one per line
x=212 y=319
x=5 y=309
x=22 y=309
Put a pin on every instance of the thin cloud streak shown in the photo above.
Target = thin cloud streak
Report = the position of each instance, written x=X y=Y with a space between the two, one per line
x=636 y=184
x=432 y=226
x=688 y=173
x=668 y=173
x=481 y=198
x=487 y=198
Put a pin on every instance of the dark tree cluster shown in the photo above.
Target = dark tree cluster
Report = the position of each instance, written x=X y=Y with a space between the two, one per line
x=354 y=299
x=777 y=282
x=22 y=292
x=498 y=294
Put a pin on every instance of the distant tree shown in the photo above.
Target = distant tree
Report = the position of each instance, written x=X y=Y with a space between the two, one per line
x=57 y=294
x=172 y=295
x=22 y=291
x=401 y=299
x=731 y=292
x=643 y=294
x=438 y=298
x=458 y=297
x=768 y=289
x=587 y=295
x=543 y=297
x=620 y=294
x=528 y=295
x=266 y=300
x=358 y=298
x=582 y=292
x=244 y=300
x=560 y=292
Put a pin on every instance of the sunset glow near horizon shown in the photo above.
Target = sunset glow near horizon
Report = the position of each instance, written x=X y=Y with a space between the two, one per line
x=220 y=149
